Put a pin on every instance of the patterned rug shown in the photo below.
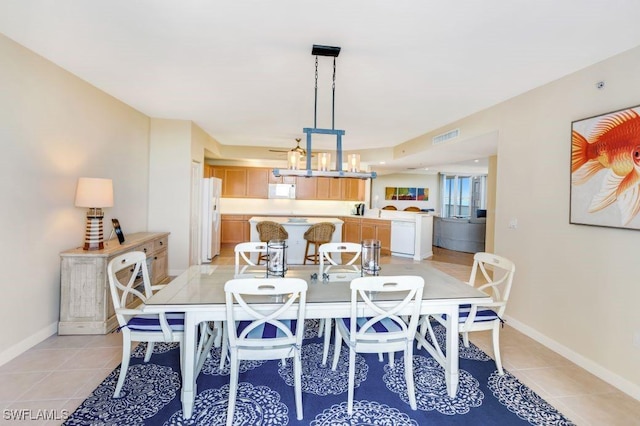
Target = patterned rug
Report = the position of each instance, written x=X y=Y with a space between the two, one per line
x=151 y=393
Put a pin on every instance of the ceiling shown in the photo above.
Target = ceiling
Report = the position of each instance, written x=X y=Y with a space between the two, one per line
x=243 y=70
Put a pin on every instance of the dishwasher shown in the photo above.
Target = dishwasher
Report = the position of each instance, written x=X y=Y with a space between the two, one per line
x=403 y=238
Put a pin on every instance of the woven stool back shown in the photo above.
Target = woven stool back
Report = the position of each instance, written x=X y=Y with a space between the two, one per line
x=320 y=232
x=269 y=230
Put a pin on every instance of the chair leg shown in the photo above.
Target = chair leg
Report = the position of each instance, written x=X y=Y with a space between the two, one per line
x=465 y=339
x=224 y=351
x=149 y=351
x=126 y=354
x=352 y=380
x=496 y=347
x=327 y=340
x=233 y=388
x=297 y=372
x=306 y=254
x=408 y=375
x=337 y=346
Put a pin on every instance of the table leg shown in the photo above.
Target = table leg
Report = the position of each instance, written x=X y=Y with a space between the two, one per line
x=451 y=361
x=189 y=364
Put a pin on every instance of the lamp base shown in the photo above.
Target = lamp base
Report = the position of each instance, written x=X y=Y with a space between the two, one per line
x=93 y=238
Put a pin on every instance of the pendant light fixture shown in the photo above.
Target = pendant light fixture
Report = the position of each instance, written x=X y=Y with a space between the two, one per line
x=323 y=168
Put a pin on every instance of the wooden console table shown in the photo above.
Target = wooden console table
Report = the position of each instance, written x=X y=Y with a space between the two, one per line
x=85 y=298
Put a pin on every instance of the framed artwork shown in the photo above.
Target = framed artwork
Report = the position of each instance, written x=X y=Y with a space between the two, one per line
x=118 y=230
x=403 y=194
x=605 y=170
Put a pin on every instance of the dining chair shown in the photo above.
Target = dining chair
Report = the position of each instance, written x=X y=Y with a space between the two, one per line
x=390 y=207
x=130 y=287
x=267 y=231
x=412 y=209
x=385 y=330
x=316 y=235
x=267 y=335
x=493 y=275
x=243 y=253
x=329 y=254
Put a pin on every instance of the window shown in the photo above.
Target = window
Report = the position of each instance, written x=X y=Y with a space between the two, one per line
x=462 y=196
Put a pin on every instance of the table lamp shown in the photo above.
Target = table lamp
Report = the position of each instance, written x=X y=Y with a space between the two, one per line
x=94 y=193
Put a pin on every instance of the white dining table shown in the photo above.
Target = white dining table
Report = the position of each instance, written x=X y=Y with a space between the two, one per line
x=199 y=293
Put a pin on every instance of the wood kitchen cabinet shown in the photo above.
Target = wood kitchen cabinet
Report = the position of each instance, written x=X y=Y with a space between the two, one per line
x=352 y=189
x=257 y=183
x=234 y=229
x=85 y=297
x=352 y=230
x=253 y=182
x=306 y=188
x=378 y=229
x=328 y=188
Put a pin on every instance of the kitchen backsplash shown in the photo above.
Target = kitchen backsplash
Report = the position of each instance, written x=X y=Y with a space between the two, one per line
x=247 y=206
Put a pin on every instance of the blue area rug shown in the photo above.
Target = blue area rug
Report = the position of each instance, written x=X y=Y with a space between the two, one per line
x=151 y=393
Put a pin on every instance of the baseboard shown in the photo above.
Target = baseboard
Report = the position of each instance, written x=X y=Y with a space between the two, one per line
x=613 y=379
x=26 y=344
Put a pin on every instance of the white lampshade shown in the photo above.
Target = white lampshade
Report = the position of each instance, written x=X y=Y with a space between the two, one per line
x=94 y=193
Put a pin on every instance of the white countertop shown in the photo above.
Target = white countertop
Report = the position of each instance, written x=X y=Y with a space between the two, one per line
x=295 y=221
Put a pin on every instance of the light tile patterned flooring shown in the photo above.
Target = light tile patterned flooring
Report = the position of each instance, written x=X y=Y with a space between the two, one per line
x=55 y=376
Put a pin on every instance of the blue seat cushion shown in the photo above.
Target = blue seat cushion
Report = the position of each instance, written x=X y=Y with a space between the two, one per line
x=266 y=330
x=386 y=325
x=482 y=314
x=152 y=323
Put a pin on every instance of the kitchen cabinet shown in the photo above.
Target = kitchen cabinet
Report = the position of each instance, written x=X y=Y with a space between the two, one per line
x=352 y=189
x=234 y=183
x=306 y=188
x=378 y=229
x=234 y=229
x=328 y=188
x=85 y=297
x=253 y=182
x=352 y=230
x=257 y=183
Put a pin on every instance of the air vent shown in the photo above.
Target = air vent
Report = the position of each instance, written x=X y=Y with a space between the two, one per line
x=446 y=136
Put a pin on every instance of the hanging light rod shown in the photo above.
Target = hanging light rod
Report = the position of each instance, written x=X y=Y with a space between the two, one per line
x=352 y=172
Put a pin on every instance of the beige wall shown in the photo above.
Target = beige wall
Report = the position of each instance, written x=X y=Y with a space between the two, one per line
x=55 y=128
x=576 y=288
x=175 y=146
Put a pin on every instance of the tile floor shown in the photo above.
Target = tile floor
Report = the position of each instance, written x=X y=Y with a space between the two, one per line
x=55 y=376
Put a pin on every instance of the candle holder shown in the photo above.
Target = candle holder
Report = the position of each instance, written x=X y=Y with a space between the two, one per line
x=370 y=257
x=276 y=258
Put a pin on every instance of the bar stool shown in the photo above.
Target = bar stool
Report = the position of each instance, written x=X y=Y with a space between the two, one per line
x=318 y=234
x=268 y=231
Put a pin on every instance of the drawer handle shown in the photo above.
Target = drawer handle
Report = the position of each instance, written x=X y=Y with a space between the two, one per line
x=161 y=243
x=155 y=258
x=145 y=249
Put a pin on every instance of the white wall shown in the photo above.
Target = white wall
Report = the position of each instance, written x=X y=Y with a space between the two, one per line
x=55 y=128
x=379 y=184
x=576 y=288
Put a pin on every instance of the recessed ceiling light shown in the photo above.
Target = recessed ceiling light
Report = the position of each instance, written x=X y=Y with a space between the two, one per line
x=383 y=162
x=475 y=161
x=426 y=168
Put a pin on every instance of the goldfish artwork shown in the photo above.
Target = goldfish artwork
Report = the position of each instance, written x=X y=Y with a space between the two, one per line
x=605 y=150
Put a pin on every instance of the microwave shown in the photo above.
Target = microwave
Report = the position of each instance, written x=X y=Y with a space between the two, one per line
x=282 y=190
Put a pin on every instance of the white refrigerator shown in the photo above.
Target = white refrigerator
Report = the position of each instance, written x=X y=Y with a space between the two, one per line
x=211 y=191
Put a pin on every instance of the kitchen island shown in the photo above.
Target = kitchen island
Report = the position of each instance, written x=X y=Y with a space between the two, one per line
x=296 y=227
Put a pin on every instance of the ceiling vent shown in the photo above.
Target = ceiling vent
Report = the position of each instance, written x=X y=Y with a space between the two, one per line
x=446 y=136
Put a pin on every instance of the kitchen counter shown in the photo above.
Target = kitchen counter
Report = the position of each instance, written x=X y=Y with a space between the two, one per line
x=296 y=227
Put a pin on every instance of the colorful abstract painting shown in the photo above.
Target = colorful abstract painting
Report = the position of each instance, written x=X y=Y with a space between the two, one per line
x=406 y=194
